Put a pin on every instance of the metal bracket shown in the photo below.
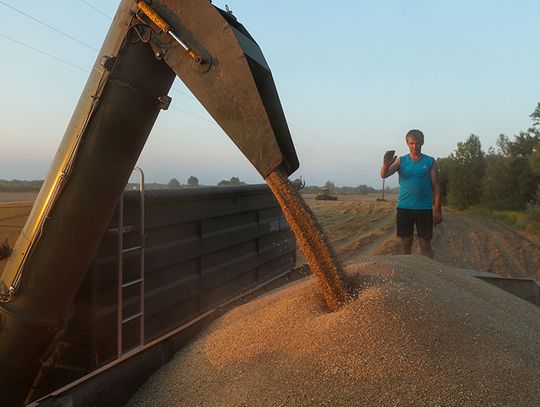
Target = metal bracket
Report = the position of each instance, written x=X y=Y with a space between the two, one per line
x=165 y=102
x=107 y=62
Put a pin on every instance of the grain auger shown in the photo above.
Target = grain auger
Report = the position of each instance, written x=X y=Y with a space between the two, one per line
x=148 y=45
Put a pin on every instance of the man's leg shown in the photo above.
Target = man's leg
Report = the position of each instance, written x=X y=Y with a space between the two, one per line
x=405 y=229
x=406 y=245
x=424 y=227
x=425 y=247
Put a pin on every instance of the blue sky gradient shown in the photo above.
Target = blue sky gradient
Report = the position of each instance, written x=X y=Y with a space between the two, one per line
x=353 y=77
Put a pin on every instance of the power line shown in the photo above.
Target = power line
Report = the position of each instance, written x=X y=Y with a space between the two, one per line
x=192 y=114
x=310 y=152
x=88 y=71
x=48 y=26
x=183 y=93
x=320 y=138
x=44 y=53
x=95 y=49
x=314 y=154
x=96 y=9
x=191 y=96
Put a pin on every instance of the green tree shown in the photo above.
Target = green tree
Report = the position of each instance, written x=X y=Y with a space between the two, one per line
x=173 y=183
x=498 y=182
x=465 y=173
x=232 y=181
x=513 y=180
x=535 y=116
x=443 y=164
x=534 y=160
x=193 y=181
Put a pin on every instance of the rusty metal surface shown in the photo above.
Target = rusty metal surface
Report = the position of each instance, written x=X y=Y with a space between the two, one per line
x=526 y=289
x=234 y=83
x=204 y=247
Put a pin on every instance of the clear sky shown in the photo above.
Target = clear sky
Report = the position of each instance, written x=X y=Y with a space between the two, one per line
x=353 y=77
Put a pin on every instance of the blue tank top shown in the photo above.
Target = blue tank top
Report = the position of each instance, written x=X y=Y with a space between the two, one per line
x=415 y=190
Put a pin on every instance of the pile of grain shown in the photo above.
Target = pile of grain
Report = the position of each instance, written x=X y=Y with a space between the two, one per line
x=311 y=239
x=418 y=333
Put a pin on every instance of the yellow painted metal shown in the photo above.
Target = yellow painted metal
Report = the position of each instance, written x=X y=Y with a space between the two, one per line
x=152 y=15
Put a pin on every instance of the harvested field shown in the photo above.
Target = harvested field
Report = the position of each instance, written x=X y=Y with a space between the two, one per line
x=360 y=226
x=13 y=216
x=418 y=333
x=18 y=196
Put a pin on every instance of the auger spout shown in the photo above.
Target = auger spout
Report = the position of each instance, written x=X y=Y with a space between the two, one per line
x=148 y=44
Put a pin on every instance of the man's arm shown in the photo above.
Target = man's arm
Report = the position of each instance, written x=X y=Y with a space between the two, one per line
x=436 y=186
x=390 y=164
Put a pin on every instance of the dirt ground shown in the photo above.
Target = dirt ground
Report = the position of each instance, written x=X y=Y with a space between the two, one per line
x=17 y=196
x=13 y=216
x=363 y=226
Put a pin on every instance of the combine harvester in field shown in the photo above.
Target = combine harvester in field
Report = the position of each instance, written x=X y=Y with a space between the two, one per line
x=324 y=195
x=146 y=47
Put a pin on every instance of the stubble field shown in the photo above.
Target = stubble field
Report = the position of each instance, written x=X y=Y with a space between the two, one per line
x=364 y=226
x=359 y=226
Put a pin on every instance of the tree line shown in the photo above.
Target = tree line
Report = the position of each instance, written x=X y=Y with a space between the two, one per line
x=335 y=190
x=194 y=182
x=503 y=178
x=20 y=185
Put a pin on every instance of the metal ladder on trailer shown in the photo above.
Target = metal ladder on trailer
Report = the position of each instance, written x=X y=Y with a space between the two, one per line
x=139 y=280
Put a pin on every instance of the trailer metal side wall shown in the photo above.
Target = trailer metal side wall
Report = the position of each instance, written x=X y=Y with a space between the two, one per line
x=203 y=246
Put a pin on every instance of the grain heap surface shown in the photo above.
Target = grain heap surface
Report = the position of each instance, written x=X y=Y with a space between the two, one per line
x=417 y=333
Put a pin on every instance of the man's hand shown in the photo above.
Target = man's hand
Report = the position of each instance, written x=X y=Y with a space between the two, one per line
x=389 y=158
x=437 y=216
x=390 y=164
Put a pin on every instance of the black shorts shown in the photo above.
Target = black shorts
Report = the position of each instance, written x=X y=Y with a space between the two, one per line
x=407 y=218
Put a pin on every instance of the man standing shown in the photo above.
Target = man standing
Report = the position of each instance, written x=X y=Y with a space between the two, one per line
x=419 y=201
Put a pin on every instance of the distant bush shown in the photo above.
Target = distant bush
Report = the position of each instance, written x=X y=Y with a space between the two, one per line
x=20 y=186
x=232 y=181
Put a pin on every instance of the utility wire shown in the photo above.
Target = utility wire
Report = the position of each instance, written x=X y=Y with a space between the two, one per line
x=193 y=114
x=174 y=89
x=96 y=9
x=88 y=71
x=48 y=26
x=320 y=138
x=302 y=149
x=183 y=93
x=44 y=53
x=191 y=96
